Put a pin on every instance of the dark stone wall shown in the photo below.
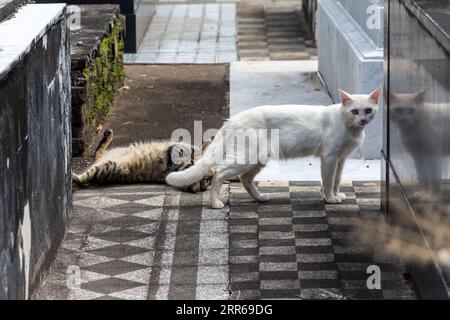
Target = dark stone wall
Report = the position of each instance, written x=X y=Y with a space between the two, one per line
x=309 y=10
x=35 y=163
x=97 y=70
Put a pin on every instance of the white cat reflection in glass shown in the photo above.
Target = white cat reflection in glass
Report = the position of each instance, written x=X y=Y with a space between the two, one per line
x=423 y=131
x=328 y=132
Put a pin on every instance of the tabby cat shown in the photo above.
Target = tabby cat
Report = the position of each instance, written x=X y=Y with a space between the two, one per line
x=141 y=162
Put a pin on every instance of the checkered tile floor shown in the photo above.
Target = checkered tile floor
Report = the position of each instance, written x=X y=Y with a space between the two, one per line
x=153 y=242
x=211 y=33
x=273 y=33
x=295 y=246
x=189 y=33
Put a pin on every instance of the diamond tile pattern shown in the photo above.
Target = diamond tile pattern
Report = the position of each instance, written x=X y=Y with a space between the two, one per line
x=109 y=285
x=154 y=242
x=113 y=235
x=118 y=251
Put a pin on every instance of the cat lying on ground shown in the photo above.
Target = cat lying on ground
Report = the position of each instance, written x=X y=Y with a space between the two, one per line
x=330 y=133
x=141 y=162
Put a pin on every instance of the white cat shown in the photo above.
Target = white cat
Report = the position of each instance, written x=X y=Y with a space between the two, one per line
x=329 y=132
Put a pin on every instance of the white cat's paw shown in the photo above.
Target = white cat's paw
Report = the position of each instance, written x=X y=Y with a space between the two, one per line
x=217 y=204
x=263 y=198
x=341 y=196
x=332 y=200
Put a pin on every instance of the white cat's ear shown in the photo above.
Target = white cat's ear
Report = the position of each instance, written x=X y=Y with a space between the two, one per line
x=420 y=97
x=392 y=96
x=375 y=96
x=345 y=97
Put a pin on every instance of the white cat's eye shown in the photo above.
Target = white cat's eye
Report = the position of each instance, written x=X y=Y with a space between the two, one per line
x=355 y=112
x=368 y=111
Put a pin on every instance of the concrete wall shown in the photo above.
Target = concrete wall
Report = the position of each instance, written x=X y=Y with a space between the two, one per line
x=360 y=11
x=350 y=60
x=35 y=135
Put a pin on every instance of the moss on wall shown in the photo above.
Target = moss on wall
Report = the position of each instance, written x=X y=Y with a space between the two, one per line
x=104 y=76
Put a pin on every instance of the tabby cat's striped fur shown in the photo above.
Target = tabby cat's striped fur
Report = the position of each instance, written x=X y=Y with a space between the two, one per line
x=140 y=162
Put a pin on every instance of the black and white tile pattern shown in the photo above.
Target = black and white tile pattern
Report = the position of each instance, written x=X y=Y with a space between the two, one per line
x=297 y=247
x=198 y=32
x=154 y=242
x=142 y=242
x=189 y=33
x=271 y=32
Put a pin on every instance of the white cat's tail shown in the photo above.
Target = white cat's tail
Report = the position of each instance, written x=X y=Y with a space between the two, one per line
x=201 y=168
x=189 y=176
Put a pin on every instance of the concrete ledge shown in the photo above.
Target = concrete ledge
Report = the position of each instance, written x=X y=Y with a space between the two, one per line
x=349 y=60
x=362 y=12
x=434 y=17
x=14 y=45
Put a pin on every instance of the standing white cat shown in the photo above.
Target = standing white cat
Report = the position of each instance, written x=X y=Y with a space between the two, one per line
x=329 y=132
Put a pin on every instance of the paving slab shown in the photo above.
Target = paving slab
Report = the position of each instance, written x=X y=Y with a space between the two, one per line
x=189 y=34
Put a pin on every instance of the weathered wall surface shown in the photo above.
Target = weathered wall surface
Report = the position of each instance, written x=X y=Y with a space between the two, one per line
x=35 y=135
x=350 y=60
x=8 y=6
x=97 y=70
